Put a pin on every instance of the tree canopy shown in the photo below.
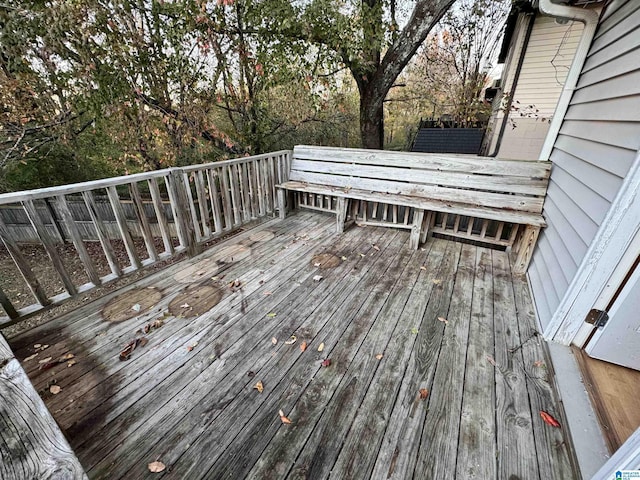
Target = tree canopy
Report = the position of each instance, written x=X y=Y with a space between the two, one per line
x=113 y=87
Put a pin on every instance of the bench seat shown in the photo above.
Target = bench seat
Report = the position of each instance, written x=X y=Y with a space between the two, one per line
x=429 y=186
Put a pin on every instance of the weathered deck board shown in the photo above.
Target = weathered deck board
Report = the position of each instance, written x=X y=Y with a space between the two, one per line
x=31 y=444
x=360 y=417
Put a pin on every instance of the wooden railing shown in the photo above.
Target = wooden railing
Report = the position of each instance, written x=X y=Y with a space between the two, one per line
x=138 y=221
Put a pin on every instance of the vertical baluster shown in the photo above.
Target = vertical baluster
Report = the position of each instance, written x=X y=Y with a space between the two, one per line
x=101 y=233
x=174 y=201
x=143 y=221
x=23 y=266
x=121 y=220
x=470 y=226
x=8 y=306
x=191 y=206
x=49 y=246
x=445 y=218
x=214 y=195
x=160 y=215
x=499 y=231
x=257 y=169
x=483 y=231
x=236 y=199
x=514 y=232
x=87 y=262
x=456 y=224
x=406 y=216
x=227 y=197
x=202 y=203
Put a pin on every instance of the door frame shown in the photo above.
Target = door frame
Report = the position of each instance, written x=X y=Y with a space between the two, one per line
x=627 y=457
x=607 y=255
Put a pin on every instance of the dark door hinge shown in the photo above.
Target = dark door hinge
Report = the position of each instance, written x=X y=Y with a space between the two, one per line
x=598 y=318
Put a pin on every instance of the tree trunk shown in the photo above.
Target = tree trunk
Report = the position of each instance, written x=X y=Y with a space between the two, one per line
x=371 y=125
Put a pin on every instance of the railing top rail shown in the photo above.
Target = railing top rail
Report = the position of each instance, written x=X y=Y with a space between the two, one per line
x=39 y=193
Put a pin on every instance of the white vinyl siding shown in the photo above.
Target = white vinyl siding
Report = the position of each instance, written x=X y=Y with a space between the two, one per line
x=547 y=59
x=593 y=152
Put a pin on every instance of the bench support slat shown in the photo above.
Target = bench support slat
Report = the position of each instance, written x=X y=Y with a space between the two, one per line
x=414 y=239
x=525 y=249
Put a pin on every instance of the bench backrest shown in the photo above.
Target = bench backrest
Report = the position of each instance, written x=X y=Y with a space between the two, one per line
x=483 y=181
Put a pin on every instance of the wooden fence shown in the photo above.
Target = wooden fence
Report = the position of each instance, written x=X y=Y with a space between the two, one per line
x=181 y=207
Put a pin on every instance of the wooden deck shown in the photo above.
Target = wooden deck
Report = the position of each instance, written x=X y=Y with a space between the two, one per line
x=448 y=318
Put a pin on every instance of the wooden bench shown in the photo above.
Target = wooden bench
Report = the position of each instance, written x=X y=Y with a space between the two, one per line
x=438 y=193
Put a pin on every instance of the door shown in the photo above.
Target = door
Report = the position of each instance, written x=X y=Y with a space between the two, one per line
x=619 y=340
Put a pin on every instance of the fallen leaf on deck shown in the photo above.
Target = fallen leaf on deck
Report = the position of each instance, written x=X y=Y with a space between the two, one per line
x=423 y=267
x=375 y=247
x=414 y=330
x=37 y=345
x=303 y=346
x=136 y=307
x=344 y=258
x=539 y=364
x=55 y=389
x=444 y=320
x=317 y=264
x=317 y=278
x=251 y=373
x=267 y=293
x=283 y=418
x=271 y=315
x=491 y=360
x=274 y=340
x=291 y=341
x=191 y=347
x=362 y=255
x=45 y=360
x=68 y=356
x=424 y=393
x=185 y=305
x=71 y=363
x=326 y=362
x=44 y=347
x=436 y=281
x=321 y=347
x=156 y=467
x=549 y=420
x=379 y=356
x=258 y=386
x=30 y=357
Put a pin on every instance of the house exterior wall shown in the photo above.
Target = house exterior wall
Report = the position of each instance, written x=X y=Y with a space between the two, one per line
x=548 y=56
x=594 y=150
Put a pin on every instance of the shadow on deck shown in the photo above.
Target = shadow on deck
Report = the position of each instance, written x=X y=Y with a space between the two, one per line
x=436 y=370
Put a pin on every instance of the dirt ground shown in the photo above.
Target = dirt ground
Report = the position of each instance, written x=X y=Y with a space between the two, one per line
x=16 y=289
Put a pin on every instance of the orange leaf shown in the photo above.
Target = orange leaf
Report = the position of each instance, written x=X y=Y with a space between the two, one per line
x=283 y=418
x=303 y=346
x=549 y=420
x=379 y=356
x=424 y=393
x=258 y=386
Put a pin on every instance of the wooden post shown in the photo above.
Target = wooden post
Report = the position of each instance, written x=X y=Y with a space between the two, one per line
x=341 y=214
x=525 y=249
x=282 y=209
x=414 y=239
x=33 y=446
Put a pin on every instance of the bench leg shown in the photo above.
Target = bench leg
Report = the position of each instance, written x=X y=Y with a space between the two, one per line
x=414 y=239
x=524 y=250
x=281 y=204
x=341 y=214
x=426 y=226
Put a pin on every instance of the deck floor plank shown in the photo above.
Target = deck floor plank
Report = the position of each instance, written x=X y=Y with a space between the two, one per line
x=196 y=410
x=291 y=373
x=477 y=438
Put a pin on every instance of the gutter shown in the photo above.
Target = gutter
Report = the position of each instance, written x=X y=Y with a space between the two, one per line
x=590 y=20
